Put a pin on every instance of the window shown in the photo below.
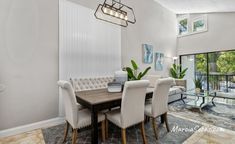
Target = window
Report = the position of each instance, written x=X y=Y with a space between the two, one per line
x=217 y=70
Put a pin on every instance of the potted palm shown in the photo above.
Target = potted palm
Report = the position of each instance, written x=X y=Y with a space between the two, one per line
x=198 y=84
x=176 y=73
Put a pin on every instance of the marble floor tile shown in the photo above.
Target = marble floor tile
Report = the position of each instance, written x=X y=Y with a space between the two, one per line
x=33 y=137
x=212 y=135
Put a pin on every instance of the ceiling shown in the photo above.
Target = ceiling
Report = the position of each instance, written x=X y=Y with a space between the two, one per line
x=198 y=6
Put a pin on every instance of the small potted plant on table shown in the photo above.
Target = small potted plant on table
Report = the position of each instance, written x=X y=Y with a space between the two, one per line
x=198 y=84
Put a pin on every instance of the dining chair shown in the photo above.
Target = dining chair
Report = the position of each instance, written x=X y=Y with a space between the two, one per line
x=159 y=105
x=76 y=118
x=132 y=108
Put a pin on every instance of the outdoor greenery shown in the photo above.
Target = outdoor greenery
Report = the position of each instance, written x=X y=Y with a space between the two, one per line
x=201 y=63
x=176 y=73
x=133 y=73
x=218 y=62
x=226 y=62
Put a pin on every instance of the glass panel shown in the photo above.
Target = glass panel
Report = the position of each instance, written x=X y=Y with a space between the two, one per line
x=222 y=71
x=201 y=69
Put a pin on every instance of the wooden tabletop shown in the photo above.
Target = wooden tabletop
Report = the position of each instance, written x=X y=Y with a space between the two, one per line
x=101 y=95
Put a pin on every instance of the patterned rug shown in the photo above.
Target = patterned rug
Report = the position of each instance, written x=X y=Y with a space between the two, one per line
x=221 y=115
x=181 y=130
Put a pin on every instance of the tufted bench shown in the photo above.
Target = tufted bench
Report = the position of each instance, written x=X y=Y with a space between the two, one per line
x=83 y=84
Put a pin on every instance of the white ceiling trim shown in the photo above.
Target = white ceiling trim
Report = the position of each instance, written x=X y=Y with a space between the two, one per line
x=198 y=6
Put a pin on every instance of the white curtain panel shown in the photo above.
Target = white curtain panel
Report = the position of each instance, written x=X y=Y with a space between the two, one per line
x=88 y=47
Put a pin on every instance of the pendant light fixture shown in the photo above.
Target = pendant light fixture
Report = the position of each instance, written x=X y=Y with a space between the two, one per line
x=115 y=12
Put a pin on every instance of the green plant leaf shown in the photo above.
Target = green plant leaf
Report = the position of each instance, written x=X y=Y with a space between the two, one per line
x=145 y=72
x=139 y=76
x=182 y=74
x=133 y=73
x=134 y=65
x=173 y=73
x=130 y=73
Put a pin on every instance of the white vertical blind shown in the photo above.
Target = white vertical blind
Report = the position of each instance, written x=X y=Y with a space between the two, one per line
x=88 y=47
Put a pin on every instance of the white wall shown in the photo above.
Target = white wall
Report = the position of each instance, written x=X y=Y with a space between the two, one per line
x=220 y=35
x=156 y=26
x=28 y=61
x=29 y=53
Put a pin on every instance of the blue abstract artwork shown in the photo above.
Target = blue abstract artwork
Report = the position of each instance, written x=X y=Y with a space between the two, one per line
x=147 y=53
x=159 y=59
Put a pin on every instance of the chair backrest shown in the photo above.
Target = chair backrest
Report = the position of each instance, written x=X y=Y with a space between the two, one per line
x=133 y=99
x=152 y=79
x=160 y=96
x=70 y=103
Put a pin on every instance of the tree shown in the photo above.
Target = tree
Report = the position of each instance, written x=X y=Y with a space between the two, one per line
x=201 y=63
x=226 y=62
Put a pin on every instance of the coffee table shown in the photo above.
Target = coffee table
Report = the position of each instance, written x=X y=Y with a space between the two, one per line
x=201 y=99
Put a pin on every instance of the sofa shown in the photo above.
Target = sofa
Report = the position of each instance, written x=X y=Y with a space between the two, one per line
x=175 y=90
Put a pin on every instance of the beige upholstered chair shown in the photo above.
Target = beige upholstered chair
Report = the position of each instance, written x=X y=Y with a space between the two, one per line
x=74 y=117
x=132 y=108
x=159 y=104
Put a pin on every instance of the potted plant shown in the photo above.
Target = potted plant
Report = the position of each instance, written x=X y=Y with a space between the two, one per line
x=133 y=73
x=176 y=73
x=198 y=84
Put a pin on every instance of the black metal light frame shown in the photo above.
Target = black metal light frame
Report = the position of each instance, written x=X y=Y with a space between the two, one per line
x=118 y=9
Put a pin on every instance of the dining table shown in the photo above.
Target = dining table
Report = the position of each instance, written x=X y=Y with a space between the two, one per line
x=98 y=100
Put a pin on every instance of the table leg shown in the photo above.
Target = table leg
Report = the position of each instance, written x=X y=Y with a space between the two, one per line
x=203 y=101
x=94 y=127
x=213 y=99
x=162 y=119
x=182 y=98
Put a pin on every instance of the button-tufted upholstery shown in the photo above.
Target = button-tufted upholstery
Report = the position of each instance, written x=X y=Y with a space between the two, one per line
x=75 y=117
x=83 y=84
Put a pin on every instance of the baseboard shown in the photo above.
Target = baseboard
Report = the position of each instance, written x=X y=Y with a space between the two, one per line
x=32 y=126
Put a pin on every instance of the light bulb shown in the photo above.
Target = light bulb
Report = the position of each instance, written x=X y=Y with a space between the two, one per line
x=126 y=18
x=105 y=10
x=111 y=12
x=116 y=14
x=121 y=16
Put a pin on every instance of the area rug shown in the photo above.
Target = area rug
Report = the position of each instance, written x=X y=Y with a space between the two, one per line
x=181 y=129
x=221 y=115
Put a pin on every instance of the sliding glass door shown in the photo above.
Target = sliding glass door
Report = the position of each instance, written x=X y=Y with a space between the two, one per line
x=216 y=69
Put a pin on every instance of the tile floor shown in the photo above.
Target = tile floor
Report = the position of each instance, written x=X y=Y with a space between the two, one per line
x=33 y=137
x=205 y=135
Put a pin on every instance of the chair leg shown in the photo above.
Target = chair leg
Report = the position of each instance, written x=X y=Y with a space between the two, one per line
x=107 y=128
x=103 y=130
x=66 y=131
x=155 y=128
x=74 y=136
x=123 y=136
x=143 y=133
x=166 y=121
